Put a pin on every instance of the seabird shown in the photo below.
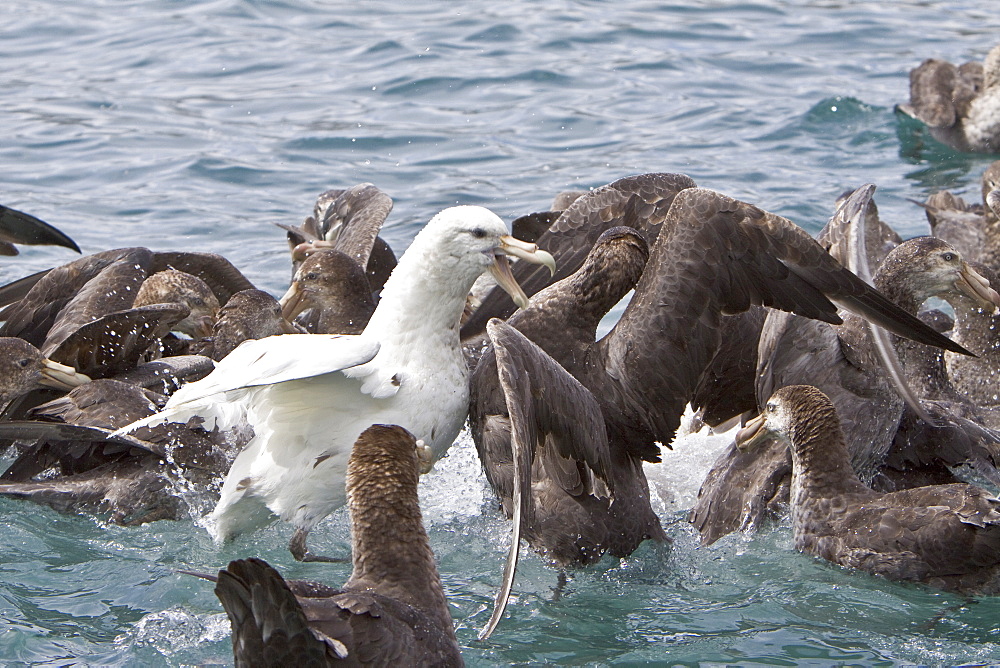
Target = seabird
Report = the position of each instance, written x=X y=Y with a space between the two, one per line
x=947 y=536
x=349 y=221
x=249 y=314
x=24 y=368
x=308 y=396
x=728 y=389
x=713 y=255
x=959 y=105
x=171 y=286
x=76 y=464
x=84 y=314
x=391 y=611
x=973 y=229
x=333 y=287
x=843 y=361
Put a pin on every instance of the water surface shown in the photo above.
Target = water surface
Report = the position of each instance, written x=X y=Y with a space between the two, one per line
x=197 y=125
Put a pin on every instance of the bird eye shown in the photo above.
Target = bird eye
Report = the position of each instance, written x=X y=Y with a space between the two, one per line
x=23 y=363
x=198 y=301
x=479 y=233
x=771 y=408
x=948 y=257
x=311 y=276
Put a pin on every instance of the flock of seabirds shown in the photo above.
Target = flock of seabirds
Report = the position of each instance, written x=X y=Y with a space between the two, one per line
x=135 y=380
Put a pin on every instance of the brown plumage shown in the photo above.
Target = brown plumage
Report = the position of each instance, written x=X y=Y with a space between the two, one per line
x=958 y=105
x=729 y=387
x=334 y=287
x=947 y=536
x=636 y=201
x=713 y=255
x=570 y=516
x=172 y=286
x=742 y=489
x=24 y=368
x=84 y=314
x=75 y=464
x=249 y=314
x=390 y=612
x=349 y=221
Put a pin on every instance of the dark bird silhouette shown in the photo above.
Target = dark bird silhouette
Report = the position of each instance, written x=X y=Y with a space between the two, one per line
x=348 y=221
x=248 y=315
x=17 y=227
x=390 y=612
x=334 y=289
x=947 y=536
x=713 y=256
x=70 y=460
x=846 y=362
x=959 y=105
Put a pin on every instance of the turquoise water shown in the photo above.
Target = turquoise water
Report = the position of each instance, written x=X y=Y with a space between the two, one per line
x=196 y=125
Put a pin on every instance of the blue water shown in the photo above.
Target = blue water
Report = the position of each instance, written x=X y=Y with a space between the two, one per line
x=197 y=125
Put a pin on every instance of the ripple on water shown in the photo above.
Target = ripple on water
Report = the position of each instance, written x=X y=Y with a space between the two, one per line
x=196 y=125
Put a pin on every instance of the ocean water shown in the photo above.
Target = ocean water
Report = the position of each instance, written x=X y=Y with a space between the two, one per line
x=184 y=124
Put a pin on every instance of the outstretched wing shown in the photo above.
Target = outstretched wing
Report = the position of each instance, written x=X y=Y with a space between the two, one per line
x=716 y=256
x=359 y=212
x=258 y=362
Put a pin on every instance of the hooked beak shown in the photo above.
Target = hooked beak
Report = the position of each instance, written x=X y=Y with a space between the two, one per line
x=975 y=285
x=202 y=326
x=528 y=252
x=500 y=269
x=425 y=457
x=751 y=434
x=292 y=302
x=61 y=377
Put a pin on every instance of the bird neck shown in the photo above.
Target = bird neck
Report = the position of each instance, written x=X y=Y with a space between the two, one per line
x=563 y=318
x=821 y=463
x=892 y=280
x=425 y=295
x=923 y=365
x=390 y=549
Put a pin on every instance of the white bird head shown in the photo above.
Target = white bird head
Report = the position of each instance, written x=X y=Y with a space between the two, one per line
x=468 y=240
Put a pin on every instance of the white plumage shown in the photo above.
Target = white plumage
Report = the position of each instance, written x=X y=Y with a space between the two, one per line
x=308 y=396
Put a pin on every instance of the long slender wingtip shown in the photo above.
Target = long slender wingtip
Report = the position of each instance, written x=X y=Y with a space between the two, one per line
x=204 y=576
x=23 y=228
x=509 y=570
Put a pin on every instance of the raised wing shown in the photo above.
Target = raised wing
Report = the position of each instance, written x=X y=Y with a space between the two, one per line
x=32 y=316
x=358 y=213
x=716 y=256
